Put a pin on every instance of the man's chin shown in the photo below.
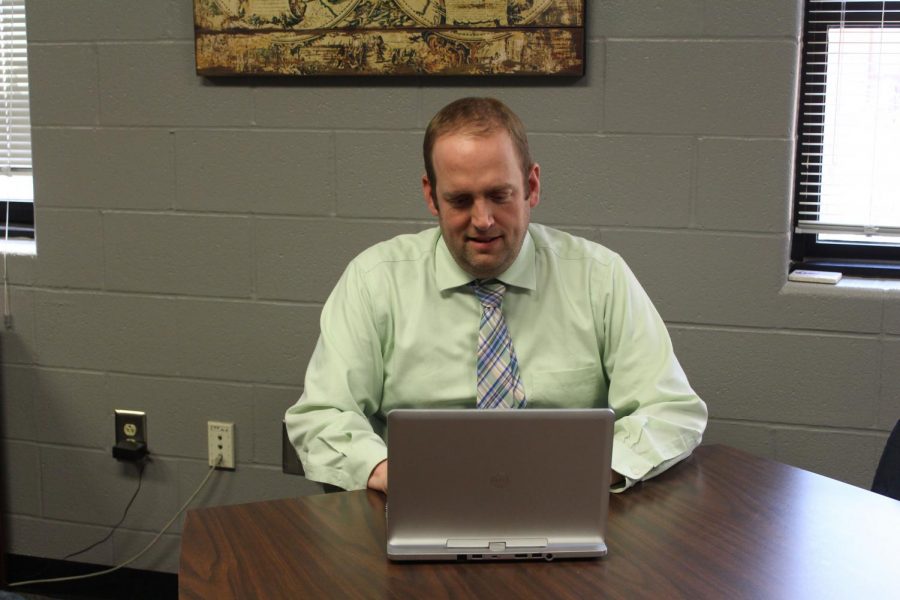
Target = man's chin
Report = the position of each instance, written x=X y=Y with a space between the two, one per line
x=480 y=268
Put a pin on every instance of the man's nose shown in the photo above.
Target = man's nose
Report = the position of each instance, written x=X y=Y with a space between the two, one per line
x=482 y=214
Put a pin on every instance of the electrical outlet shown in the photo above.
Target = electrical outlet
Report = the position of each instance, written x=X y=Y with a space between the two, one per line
x=131 y=426
x=220 y=437
x=131 y=435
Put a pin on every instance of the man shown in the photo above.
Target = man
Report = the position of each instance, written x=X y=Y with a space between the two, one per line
x=404 y=324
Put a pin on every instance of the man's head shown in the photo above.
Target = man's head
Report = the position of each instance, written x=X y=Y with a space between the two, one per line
x=480 y=182
x=477 y=117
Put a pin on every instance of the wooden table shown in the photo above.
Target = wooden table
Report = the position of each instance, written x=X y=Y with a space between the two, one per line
x=722 y=524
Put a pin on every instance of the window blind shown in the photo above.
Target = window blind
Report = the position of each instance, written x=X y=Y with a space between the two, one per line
x=16 y=189
x=15 y=128
x=849 y=143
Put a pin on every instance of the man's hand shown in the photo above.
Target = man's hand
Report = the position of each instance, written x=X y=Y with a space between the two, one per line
x=378 y=480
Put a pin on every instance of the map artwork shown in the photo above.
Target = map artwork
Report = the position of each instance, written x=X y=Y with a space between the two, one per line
x=389 y=37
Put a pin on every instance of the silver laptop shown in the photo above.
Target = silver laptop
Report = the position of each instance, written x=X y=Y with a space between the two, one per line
x=498 y=484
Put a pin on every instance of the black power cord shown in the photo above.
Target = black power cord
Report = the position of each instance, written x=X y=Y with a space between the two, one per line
x=165 y=528
x=141 y=465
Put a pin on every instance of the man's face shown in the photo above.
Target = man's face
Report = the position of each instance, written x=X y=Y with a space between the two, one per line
x=481 y=200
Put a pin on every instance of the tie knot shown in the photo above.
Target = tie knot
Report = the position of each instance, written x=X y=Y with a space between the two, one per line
x=490 y=294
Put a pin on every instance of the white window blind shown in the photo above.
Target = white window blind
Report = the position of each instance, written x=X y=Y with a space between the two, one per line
x=15 y=128
x=16 y=189
x=850 y=122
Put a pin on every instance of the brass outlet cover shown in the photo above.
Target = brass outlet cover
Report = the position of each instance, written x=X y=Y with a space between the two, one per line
x=131 y=426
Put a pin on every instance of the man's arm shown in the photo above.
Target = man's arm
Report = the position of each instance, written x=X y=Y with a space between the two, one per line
x=329 y=426
x=660 y=419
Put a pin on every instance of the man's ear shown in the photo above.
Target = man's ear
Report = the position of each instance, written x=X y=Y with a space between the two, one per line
x=534 y=185
x=428 y=192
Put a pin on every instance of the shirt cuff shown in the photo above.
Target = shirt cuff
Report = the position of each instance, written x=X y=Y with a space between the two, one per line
x=355 y=467
x=623 y=485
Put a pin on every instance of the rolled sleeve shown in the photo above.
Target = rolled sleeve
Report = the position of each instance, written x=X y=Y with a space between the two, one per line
x=660 y=419
x=329 y=425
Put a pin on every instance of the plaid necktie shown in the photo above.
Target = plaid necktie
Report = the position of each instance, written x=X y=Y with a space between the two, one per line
x=499 y=384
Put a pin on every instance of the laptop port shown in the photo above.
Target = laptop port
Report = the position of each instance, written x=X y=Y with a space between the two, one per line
x=521 y=556
x=475 y=556
x=548 y=557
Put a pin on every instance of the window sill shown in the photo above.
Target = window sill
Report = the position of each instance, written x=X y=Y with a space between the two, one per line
x=875 y=269
x=847 y=285
x=868 y=283
x=18 y=247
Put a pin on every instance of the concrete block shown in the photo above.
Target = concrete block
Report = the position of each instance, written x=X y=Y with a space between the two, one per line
x=755 y=438
x=553 y=105
x=85 y=20
x=181 y=20
x=92 y=487
x=299 y=259
x=246 y=484
x=347 y=104
x=827 y=307
x=70 y=248
x=269 y=404
x=54 y=539
x=61 y=21
x=163 y=557
x=22 y=470
x=20 y=269
x=648 y=18
x=157 y=84
x=71 y=409
x=846 y=456
x=744 y=185
x=695 y=277
x=756 y=18
x=62 y=84
x=605 y=180
x=178 y=411
x=118 y=20
x=700 y=87
x=781 y=377
x=892 y=311
x=692 y=277
x=19 y=344
x=70 y=332
x=256 y=172
x=17 y=420
x=889 y=403
x=106 y=332
x=104 y=168
x=380 y=175
x=245 y=341
x=207 y=255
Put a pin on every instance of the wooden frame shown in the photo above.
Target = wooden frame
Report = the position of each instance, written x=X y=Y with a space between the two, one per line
x=389 y=37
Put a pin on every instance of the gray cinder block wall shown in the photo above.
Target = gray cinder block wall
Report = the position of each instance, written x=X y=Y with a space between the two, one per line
x=189 y=231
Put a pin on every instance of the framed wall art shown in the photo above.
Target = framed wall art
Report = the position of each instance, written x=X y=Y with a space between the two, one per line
x=389 y=37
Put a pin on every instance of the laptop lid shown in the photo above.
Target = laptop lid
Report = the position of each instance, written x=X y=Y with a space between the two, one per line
x=498 y=484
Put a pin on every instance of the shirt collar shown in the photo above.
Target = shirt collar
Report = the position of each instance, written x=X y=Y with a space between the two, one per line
x=450 y=275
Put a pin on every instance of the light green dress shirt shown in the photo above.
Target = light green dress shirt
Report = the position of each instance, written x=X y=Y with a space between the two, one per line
x=400 y=330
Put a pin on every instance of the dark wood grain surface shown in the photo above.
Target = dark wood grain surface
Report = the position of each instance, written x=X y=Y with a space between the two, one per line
x=722 y=524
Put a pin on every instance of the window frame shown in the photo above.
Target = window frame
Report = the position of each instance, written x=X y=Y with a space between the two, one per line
x=807 y=252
